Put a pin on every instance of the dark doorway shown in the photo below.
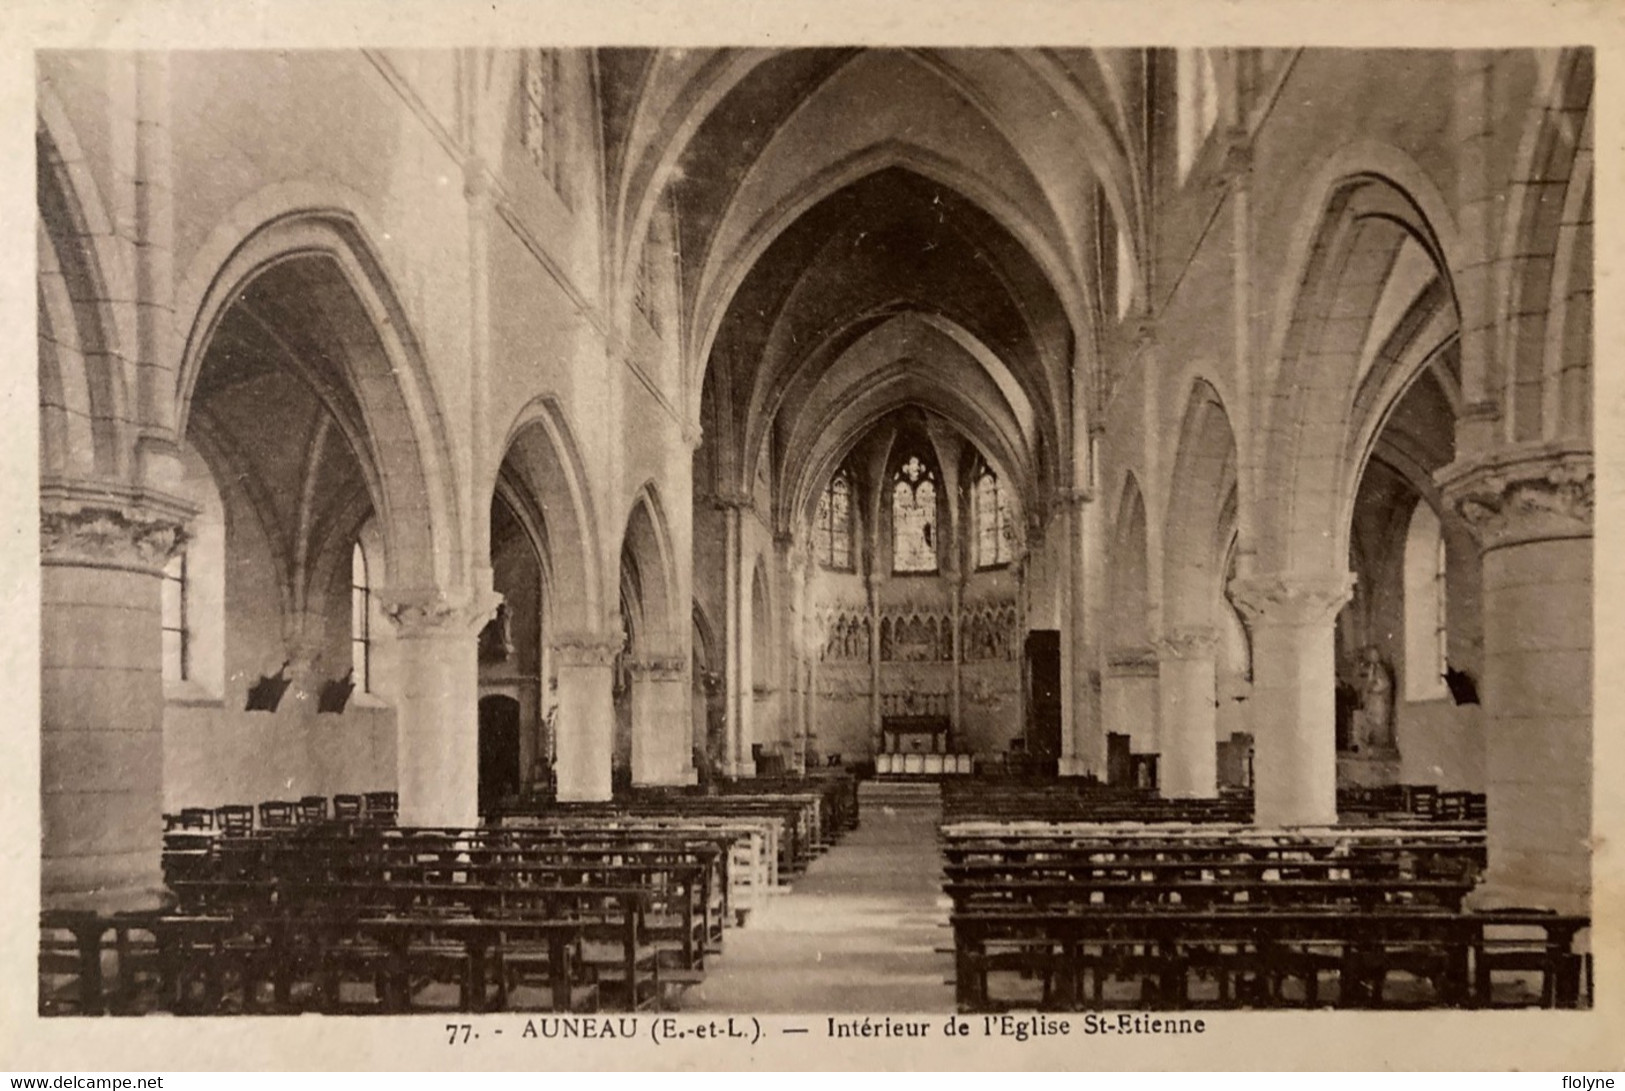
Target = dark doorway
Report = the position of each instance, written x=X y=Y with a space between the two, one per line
x=499 y=751
x=1043 y=663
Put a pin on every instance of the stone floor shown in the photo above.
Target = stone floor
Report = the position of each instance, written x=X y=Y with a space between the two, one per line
x=859 y=932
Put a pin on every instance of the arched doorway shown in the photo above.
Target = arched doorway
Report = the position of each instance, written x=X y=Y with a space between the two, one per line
x=500 y=768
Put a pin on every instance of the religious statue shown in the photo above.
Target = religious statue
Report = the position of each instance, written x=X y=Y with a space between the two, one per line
x=496 y=639
x=1373 y=724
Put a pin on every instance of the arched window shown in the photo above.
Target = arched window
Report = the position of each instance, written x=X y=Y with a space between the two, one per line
x=1425 y=622
x=834 y=524
x=177 y=630
x=1198 y=91
x=360 y=621
x=643 y=286
x=193 y=593
x=914 y=518
x=993 y=532
x=1125 y=274
x=542 y=131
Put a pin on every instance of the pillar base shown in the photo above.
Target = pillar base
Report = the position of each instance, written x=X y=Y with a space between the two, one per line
x=680 y=779
x=1502 y=892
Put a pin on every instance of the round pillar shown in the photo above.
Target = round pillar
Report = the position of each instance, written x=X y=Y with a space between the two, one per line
x=1530 y=509
x=103 y=551
x=437 y=748
x=1292 y=622
x=661 y=722
x=1189 y=754
x=584 y=731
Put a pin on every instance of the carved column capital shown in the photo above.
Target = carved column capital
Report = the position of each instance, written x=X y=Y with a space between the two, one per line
x=91 y=525
x=1532 y=493
x=1292 y=598
x=658 y=668
x=587 y=649
x=1132 y=662
x=733 y=499
x=1072 y=499
x=1192 y=642
x=419 y=613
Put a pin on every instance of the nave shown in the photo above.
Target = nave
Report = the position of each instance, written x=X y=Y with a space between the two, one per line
x=863 y=930
x=493 y=535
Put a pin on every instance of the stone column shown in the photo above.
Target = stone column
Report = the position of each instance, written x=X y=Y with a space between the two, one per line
x=1084 y=744
x=956 y=695
x=437 y=728
x=876 y=736
x=1292 y=621
x=1128 y=697
x=661 y=722
x=1530 y=508
x=1188 y=739
x=740 y=696
x=103 y=551
x=801 y=643
x=584 y=730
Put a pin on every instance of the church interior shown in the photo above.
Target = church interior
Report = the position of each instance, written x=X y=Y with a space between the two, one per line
x=814 y=529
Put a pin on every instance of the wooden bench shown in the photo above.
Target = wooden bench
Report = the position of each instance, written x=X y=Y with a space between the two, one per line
x=1164 y=944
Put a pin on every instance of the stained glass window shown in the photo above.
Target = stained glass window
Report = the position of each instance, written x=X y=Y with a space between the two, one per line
x=994 y=535
x=834 y=529
x=914 y=518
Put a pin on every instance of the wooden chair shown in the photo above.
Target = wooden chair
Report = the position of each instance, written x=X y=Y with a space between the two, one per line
x=61 y=985
x=1422 y=799
x=347 y=808
x=277 y=814
x=380 y=808
x=1511 y=949
x=1451 y=807
x=235 y=819
x=312 y=810
x=196 y=818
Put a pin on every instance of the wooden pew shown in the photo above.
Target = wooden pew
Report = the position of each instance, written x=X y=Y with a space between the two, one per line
x=1075 y=945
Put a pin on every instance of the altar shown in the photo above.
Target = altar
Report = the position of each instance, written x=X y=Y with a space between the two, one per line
x=914 y=735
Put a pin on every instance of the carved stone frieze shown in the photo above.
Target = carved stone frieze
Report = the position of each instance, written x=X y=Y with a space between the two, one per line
x=1534 y=493
x=1292 y=599
x=110 y=526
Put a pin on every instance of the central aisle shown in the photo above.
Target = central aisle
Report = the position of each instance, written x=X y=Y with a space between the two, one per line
x=857 y=933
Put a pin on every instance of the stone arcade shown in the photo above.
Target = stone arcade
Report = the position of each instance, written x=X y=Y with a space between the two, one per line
x=1171 y=415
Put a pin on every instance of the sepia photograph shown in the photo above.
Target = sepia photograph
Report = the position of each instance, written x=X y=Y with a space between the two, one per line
x=1062 y=537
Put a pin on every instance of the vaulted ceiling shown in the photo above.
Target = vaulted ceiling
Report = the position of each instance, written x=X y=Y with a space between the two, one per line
x=861 y=230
